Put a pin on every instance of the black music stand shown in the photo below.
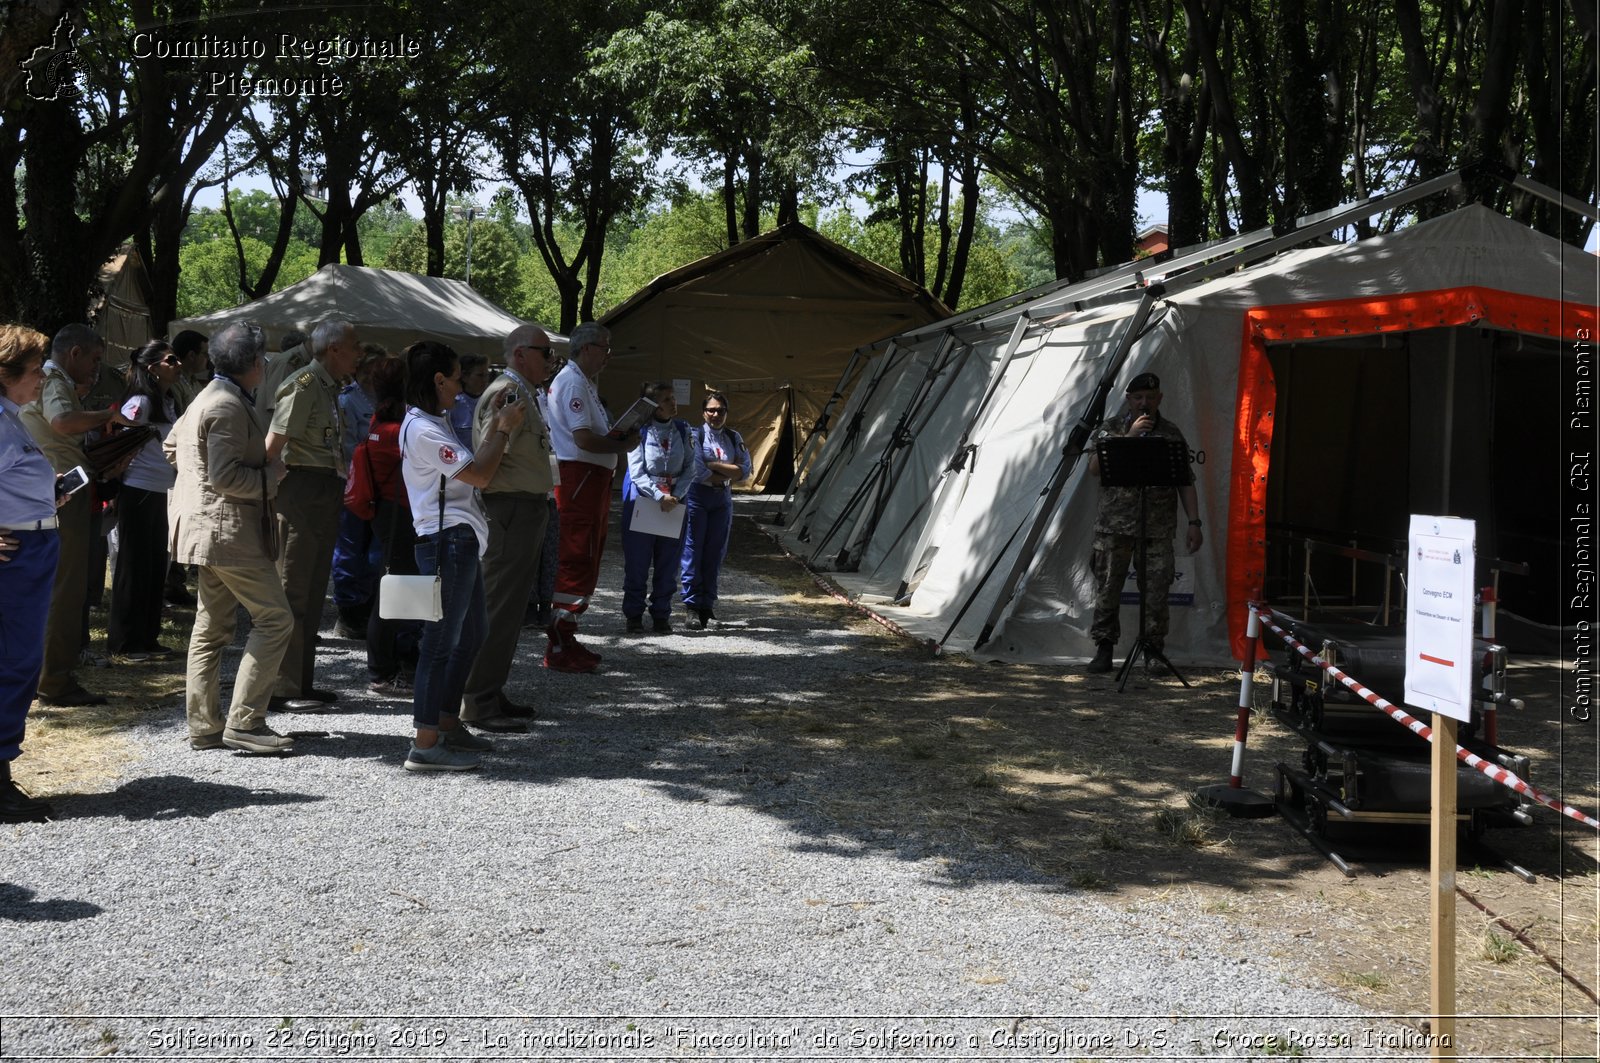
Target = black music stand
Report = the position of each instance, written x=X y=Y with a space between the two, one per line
x=1143 y=462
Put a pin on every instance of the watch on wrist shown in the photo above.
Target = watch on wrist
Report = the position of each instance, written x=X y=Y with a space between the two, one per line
x=1195 y=523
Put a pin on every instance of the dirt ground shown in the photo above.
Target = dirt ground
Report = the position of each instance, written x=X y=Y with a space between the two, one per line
x=1093 y=787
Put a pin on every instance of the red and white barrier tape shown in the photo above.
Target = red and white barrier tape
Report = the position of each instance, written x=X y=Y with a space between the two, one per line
x=1494 y=771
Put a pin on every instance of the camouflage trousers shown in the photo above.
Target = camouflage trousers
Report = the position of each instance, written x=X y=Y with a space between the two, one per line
x=1112 y=556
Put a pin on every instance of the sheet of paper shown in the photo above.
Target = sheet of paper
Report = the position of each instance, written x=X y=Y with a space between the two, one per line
x=648 y=518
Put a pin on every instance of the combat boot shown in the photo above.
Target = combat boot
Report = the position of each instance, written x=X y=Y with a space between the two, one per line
x=1102 y=658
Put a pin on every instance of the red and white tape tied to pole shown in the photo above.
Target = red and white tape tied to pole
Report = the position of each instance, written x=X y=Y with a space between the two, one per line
x=1494 y=771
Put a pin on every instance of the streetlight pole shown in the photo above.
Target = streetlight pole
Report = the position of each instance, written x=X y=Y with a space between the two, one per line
x=470 y=213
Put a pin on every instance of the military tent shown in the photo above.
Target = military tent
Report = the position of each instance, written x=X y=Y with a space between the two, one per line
x=119 y=307
x=772 y=322
x=387 y=306
x=1326 y=392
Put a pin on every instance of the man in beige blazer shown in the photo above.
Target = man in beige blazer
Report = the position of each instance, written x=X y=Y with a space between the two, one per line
x=221 y=519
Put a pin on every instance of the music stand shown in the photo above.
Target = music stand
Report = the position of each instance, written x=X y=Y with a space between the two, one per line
x=1143 y=462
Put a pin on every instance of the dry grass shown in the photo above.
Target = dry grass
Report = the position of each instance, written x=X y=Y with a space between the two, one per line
x=80 y=749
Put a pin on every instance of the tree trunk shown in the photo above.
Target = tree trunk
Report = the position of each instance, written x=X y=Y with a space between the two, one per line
x=730 y=196
x=54 y=280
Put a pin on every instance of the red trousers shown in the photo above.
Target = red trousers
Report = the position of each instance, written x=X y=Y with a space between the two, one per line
x=583 y=505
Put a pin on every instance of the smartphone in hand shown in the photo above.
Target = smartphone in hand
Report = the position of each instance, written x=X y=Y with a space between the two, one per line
x=72 y=481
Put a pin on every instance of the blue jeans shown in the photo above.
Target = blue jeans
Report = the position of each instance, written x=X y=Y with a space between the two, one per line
x=449 y=645
x=705 y=543
x=357 y=554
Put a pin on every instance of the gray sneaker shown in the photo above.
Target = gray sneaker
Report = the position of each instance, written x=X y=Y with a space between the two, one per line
x=440 y=758
x=463 y=740
x=210 y=741
x=259 y=739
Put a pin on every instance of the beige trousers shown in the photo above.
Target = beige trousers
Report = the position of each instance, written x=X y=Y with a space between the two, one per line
x=221 y=589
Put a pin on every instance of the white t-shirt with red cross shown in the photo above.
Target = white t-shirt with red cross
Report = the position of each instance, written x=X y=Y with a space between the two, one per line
x=429 y=449
x=575 y=404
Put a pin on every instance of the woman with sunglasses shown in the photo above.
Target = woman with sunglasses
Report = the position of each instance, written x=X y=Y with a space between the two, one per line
x=720 y=460
x=139 y=581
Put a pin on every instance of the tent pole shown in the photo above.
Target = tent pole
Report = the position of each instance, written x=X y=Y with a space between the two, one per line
x=812 y=486
x=875 y=474
x=818 y=429
x=958 y=461
x=898 y=462
x=1093 y=414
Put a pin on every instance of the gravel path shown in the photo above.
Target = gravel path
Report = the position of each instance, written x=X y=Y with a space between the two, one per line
x=646 y=875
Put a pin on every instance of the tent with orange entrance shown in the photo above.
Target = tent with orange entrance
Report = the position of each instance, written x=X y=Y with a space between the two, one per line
x=1326 y=391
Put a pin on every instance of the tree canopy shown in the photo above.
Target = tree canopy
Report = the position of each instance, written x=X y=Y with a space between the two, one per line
x=952 y=140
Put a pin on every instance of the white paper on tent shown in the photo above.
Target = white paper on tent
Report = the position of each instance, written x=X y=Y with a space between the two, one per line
x=680 y=390
x=648 y=518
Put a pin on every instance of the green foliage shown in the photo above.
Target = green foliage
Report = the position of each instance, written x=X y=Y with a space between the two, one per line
x=496 y=272
x=664 y=238
x=210 y=272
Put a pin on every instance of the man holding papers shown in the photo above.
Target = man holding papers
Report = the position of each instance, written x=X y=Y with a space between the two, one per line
x=586 y=452
x=652 y=512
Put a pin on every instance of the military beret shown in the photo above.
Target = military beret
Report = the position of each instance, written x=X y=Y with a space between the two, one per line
x=1145 y=382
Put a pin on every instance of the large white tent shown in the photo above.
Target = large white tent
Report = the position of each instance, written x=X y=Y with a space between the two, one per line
x=386 y=306
x=1401 y=368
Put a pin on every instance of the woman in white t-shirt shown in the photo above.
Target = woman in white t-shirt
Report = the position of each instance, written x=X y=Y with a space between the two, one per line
x=140 y=578
x=442 y=478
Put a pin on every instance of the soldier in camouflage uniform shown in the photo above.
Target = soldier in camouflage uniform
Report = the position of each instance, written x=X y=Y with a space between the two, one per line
x=308 y=434
x=1116 y=528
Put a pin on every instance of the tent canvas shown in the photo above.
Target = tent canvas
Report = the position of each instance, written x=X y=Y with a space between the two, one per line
x=388 y=307
x=943 y=504
x=772 y=321
x=120 y=307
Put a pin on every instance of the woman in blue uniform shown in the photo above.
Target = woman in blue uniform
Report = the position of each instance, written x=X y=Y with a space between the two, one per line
x=659 y=469
x=720 y=460
x=28 y=549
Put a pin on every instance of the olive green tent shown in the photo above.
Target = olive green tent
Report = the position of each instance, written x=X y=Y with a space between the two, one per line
x=772 y=322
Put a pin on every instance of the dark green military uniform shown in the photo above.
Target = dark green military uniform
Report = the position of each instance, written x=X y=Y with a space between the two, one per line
x=285 y=365
x=307 y=414
x=1116 y=545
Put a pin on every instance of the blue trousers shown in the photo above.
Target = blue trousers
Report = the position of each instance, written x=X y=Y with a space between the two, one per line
x=25 y=583
x=705 y=543
x=652 y=559
x=450 y=644
x=357 y=558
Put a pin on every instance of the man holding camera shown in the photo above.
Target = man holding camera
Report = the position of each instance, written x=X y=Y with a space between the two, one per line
x=58 y=421
x=516 y=500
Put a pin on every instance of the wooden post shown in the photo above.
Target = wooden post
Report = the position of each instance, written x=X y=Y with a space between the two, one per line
x=1442 y=906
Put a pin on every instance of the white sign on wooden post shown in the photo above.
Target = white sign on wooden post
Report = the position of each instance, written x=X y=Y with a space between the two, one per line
x=1440 y=569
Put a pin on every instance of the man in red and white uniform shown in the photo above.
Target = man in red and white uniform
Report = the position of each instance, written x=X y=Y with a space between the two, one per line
x=587 y=456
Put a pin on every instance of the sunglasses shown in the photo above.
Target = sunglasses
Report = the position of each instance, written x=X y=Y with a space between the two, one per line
x=170 y=359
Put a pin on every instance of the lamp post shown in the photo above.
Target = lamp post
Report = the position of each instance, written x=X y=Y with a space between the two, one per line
x=469 y=213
